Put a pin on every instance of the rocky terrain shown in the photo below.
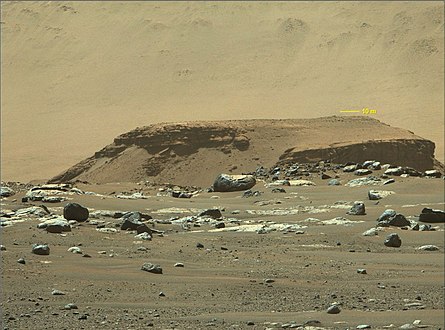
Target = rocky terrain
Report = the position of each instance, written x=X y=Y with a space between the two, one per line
x=193 y=152
x=299 y=245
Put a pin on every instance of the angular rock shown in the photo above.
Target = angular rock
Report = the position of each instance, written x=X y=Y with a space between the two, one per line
x=368 y=181
x=361 y=172
x=375 y=166
x=397 y=171
x=324 y=176
x=398 y=220
x=56 y=226
x=432 y=174
x=386 y=215
x=152 y=268
x=132 y=220
x=212 y=213
x=227 y=183
x=40 y=249
x=181 y=194
x=393 y=240
x=378 y=194
x=52 y=199
x=6 y=191
x=432 y=216
x=278 y=190
x=350 y=168
x=74 y=211
x=357 y=209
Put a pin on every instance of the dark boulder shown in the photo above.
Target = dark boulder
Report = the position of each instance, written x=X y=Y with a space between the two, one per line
x=132 y=220
x=74 y=211
x=393 y=240
x=432 y=216
x=398 y=220
x=212 y=213
x=40 y=249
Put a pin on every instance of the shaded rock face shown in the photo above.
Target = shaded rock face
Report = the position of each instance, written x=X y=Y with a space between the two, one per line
x=227 y=183
x=393 y=240
x=164 y=142
x=393 y=151
x=74 y=211
x=432 y=216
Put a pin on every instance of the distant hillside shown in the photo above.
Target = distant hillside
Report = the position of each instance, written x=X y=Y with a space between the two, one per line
x=193 y=153
x=75 y=74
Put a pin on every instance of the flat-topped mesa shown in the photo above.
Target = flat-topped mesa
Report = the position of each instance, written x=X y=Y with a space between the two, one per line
x=194 y=153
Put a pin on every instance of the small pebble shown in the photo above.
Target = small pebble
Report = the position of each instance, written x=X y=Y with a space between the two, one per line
x=361 y=271
x=179 y=264
x=21 y=261
x=57 y=293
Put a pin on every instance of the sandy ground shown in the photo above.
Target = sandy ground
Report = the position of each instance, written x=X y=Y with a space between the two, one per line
x=222 y=286
x=77 y=74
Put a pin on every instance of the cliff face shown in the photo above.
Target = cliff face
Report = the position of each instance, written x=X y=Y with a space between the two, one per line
x=193 y=153
x=416 y=153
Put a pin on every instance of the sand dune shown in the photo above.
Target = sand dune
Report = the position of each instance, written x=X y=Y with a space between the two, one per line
x=76 y=74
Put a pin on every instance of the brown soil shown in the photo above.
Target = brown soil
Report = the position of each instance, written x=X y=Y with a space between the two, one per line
x=222 y=286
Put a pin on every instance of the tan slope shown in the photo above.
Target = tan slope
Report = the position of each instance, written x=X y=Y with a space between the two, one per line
x=76 y=74
x=194 y=153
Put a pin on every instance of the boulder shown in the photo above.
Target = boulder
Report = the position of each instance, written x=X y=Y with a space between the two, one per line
x=334 y=309
x=40 y=249
x=350 y=168
x=386 y=215
x=151 y=268
x=398 y=220
x=212 y=213
x=132 y=221
x=394 y=171
x=375 y=166
x=227 y=183
x=74 y=211
x=432 y=216
x=6 y=191
x=357 y=209
x=393 y=240
x=57 y=226
x=362 y=172
x=325 y=176
x=432 y=174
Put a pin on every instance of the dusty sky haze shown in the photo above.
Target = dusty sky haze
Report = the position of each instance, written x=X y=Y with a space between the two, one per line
x=77 y=74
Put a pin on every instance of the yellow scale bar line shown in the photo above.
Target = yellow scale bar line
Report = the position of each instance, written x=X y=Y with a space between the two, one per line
x=349 y=110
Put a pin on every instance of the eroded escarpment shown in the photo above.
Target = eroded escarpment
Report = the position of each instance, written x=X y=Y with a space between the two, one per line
x=415 y=153
x=194 y=153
